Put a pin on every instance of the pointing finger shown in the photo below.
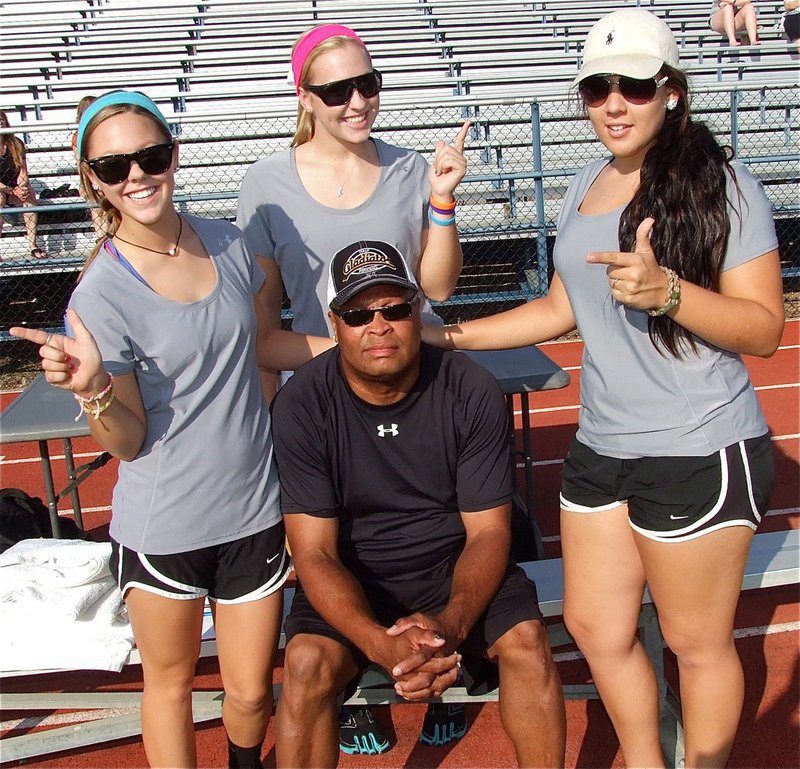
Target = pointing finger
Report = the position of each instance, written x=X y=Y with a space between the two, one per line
x=462 y=135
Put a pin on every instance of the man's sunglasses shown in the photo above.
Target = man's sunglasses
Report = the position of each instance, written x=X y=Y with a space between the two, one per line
x=356 y=318
x=595 y=89
x=341 y=91
x=113 y=169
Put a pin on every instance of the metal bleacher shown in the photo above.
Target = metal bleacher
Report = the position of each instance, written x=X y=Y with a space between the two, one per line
x=218 y=70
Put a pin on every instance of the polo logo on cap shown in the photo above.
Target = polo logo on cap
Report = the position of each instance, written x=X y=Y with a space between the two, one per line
x=610 y=38
x=365 y=262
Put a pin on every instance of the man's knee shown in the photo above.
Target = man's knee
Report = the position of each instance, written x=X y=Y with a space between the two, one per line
x=525 y=644
x=315 y=667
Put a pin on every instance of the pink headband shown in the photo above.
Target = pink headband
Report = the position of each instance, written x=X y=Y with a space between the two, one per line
x=312 y=40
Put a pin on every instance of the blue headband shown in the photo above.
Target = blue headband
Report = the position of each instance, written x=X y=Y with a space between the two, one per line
x=117 y=97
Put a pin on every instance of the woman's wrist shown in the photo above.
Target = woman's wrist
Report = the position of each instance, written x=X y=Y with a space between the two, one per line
x=673 y=294
x=96 y=387
x=442 y=211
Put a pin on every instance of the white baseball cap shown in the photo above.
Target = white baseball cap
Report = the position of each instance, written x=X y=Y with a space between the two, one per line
x=632 y=42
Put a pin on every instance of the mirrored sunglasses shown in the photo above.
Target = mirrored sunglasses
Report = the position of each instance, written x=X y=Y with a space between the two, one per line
x=340 y=91
x=355 y=318
x=594 y=90
x=113 y=169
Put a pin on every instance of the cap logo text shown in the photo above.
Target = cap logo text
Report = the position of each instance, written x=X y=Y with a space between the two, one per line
x=364 y=262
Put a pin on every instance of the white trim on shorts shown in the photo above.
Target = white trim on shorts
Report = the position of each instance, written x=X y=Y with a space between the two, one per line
x=574 y=507
x=690 y=532
x=193 y=591
x=268 y=588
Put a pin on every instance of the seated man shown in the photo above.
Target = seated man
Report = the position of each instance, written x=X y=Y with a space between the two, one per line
x=396 y=489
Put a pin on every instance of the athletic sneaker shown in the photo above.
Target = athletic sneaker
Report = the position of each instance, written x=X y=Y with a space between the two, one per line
x=444 y=722
x=359 y=732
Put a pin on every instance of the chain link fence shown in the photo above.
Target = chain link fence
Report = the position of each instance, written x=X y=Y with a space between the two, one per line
x=521 y=158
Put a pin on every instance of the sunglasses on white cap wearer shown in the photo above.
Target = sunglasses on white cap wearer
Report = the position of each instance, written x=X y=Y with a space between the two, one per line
x=631 y=43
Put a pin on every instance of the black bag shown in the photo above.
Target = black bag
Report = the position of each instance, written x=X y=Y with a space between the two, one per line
x=25 y=517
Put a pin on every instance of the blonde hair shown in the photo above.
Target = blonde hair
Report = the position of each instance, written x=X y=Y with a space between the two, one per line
x=304 y=128
x=111 y=216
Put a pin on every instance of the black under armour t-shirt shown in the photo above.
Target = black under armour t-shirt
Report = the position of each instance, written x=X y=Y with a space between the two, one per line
x=396 y=476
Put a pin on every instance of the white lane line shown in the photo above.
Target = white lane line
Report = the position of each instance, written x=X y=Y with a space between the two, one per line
x=53 y=458
x=59 y=719
x=778 y=386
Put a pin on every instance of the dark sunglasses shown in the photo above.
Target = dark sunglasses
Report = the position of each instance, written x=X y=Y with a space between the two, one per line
x=595 y=89
x=340 y=91
x=355 y=318
x=113 y=169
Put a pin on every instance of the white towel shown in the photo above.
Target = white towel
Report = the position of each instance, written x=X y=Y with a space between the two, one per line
x=54 y=577
x=97 y=641
x=60 y=608
x=59 y=562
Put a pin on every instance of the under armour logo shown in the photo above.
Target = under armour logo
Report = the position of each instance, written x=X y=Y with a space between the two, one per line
x=610 y=38
x=383 y=431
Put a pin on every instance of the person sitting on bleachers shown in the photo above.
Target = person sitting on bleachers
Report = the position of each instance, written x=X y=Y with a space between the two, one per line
x=15 y=188
x=730 y=17
x=791 y=20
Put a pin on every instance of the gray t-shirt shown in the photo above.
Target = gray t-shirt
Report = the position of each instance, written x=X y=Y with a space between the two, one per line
x=205 y=474
x=282 y=221
x=634 y=401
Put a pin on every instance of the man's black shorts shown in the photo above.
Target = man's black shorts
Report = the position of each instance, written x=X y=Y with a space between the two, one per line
x=515 y=602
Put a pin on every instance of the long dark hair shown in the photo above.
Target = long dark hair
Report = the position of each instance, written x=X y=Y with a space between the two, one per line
x=683 y=187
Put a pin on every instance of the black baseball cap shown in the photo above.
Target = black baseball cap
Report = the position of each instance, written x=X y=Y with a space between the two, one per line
x=363 y=264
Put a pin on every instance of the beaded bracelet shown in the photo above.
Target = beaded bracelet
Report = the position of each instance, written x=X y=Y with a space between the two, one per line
x=673 y=293
x=96 y=405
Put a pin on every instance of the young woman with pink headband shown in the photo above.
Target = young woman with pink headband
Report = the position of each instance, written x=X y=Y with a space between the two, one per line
x=337 y=185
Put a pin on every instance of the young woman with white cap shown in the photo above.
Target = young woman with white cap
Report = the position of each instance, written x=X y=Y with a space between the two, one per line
x=666 y=261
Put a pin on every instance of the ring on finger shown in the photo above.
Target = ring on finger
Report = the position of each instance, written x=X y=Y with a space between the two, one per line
x=49 y=337
x=614 y=282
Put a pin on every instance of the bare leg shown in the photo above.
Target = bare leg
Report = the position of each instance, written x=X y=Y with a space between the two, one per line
x=531 y=698
x=315 y=670
x=247 y=639
x=696 y=587
x=31 y=223
x=723 y=22
x=167 y=633
x=748 y=18
x=603 y=584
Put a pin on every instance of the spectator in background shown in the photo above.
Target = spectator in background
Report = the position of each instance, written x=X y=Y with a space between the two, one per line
x=730 y=17
x=15 y=187
x=95 y=212
x=334 y=185
x=791 y=20
x=667 y=261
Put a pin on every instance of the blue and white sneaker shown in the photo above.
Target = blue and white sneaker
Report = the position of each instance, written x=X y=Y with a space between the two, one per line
x=359 y=732
x=444 y=722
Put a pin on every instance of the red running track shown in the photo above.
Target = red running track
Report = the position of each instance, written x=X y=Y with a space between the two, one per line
x=767 y=622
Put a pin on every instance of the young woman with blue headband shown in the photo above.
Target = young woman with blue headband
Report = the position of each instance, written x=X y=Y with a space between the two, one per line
x=166 y=333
